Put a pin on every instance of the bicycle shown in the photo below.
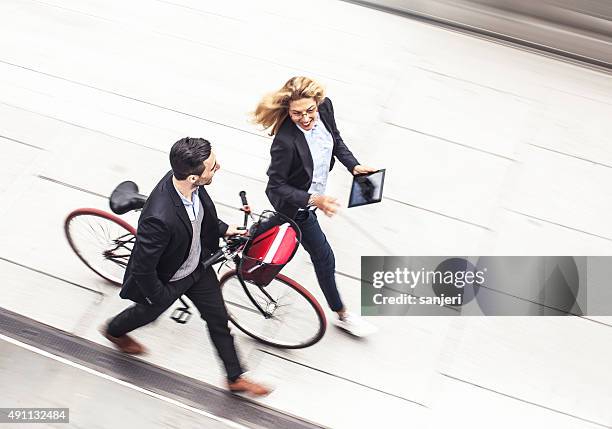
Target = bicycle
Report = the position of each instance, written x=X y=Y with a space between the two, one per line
x=280 y=314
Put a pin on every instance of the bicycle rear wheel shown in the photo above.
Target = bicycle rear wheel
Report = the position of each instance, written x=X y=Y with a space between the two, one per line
x=293 y=318
x=103 y=241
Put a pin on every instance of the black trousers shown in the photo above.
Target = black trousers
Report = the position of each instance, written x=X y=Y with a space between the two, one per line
x=202 y=288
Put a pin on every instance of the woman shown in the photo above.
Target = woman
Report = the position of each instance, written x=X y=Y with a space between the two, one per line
x=306 y=143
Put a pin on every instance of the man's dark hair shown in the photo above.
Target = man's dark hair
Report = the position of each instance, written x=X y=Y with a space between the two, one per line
x=188 y=155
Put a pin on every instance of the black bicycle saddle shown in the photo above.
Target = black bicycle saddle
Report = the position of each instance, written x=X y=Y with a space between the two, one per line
x=126 y=198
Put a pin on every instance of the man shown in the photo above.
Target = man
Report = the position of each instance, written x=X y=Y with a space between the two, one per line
x=305 y=146
x=177 y=230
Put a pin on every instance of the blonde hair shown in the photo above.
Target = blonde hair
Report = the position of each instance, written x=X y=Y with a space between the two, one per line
x=274 y=107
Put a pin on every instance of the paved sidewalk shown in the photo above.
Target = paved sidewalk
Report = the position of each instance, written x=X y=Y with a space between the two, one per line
x=488 y=150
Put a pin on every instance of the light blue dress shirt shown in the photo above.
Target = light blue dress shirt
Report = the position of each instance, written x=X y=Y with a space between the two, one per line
x=192 y=207
x=321 y=145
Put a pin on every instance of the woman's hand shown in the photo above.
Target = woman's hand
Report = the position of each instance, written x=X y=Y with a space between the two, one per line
x=363 y=169
x=328 y=205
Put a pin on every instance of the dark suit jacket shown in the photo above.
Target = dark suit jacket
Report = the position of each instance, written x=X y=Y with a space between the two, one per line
x=290 y=171
x=163 y=240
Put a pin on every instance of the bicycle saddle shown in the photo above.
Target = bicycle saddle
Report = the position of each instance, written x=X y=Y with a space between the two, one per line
x=126 y=198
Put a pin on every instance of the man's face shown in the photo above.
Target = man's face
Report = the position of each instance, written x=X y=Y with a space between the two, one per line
x=210 y=168
x=303 y=112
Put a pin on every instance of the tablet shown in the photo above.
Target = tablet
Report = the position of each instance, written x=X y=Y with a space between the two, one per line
x=367 y=188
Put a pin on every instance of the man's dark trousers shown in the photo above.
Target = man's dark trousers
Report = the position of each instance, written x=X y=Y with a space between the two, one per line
x=202 y=288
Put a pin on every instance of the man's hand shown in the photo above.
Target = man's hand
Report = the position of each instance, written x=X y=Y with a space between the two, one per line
x=363 y=169
x=164 y=296
x=233 y=230
x=327 y=204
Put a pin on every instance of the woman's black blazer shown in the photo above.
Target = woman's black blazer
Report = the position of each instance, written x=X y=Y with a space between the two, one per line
x=290 y=171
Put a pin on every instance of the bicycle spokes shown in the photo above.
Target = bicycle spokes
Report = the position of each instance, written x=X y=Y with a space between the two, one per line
x=281 y=314
x=102 y=241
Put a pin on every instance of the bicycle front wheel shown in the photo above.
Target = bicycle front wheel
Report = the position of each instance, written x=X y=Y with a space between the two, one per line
x=286 y=315
x=103 y=241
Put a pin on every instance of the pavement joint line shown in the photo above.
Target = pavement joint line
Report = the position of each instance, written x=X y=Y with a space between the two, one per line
x=474 y=83
x=23 y=143
x=202 y=11
x=87 y=191
x=467 y=146
x=122 y=383
x=340 y=273
x=439 y=214
x=363 y=231
x=596 y=100
x=524 y=400
x=558 y=224
x=68 y=185
x=595 y=321
x=342 y=378
x=159 y=106
x=51 y=275
x=570 y=155
x=83 y=127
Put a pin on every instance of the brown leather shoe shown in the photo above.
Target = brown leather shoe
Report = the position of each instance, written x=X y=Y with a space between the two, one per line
x=124 y=343
x=244 y=385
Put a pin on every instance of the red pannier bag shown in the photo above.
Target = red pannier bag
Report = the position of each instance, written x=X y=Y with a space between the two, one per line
x=274 y=241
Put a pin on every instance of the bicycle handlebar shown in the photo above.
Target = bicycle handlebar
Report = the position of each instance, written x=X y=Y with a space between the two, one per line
x=213 y=259
x=220 y=253
x=245 y=208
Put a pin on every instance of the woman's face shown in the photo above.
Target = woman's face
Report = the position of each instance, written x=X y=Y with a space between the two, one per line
x=303 y=112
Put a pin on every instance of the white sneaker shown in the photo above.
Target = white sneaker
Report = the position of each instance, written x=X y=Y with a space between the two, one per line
x=355 y=325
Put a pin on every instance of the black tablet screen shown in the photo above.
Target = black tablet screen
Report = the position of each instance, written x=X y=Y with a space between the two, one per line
x=367 y=188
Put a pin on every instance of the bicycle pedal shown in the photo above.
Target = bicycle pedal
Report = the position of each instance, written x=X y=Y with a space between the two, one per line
x=181 y=315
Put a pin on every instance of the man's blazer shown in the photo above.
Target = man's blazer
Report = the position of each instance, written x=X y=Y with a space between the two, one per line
x=163 y=240
x=290 y=171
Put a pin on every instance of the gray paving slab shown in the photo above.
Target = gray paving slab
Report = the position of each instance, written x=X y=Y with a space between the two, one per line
x=488 y=407
x=531 y=360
